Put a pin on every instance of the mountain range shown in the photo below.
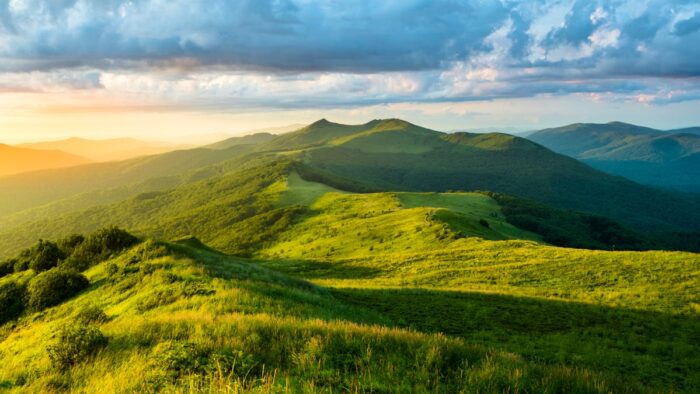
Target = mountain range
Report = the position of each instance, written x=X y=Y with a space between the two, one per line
x=378 y=257
x=15 y=160
x=378 y=156
x=669 y=159
x=105 y=150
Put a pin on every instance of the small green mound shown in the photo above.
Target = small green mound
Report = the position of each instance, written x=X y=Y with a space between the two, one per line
x=463 y=212
x=302 y=192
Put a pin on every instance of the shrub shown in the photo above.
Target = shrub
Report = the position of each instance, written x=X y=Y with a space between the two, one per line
x=75 y=344
x=484 y=223
x=20 y=265
x=44 y=256
x=92 y=315
x=70 y=243
x=98 y=247
x=176 y=359
x=7 y=267
x=53 y=287
x=11 y=301
x=75 y=263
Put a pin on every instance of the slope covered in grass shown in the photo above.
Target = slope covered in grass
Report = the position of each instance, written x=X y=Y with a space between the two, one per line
x=471 y=214
x=22 y=192
x=393 y=155
x=234 y=212
x=634 y=314
x=485 y=310
x=180 y=317
x=244 y=204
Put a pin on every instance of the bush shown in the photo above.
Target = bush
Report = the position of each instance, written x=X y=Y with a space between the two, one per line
x=7 y=267
x=99 y=246
x=53 y=287
x=75 y=344
x=44 y=256
x=484 y=223
x=177 y=359
x=11 y=301
x=70 y=243
x=92 y=315
x=20 y=265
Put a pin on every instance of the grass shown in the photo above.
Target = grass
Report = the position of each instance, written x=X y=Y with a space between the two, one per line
x=184 y=318
x=301 y=192
x=383 y=292
x=466 y=213
x=631 y=314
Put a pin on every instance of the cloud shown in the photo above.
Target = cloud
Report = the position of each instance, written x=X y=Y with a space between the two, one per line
x=303 y=53
x=255 y=34
x=688 y=26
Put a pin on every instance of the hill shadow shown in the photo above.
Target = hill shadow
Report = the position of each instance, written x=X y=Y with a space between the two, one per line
x=310 y=270
x=657 y=349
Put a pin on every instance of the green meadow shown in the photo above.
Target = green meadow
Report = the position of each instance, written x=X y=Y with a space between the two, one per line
x=263 y=273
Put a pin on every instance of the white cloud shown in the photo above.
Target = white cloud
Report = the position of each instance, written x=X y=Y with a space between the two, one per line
x=297 y=53
x=598 y=15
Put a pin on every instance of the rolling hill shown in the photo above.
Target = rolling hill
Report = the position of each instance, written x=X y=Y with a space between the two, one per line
x=251 y=139
x=396 y=155
x=114 y=149
x=14 y=160
x=654 y=157
x=686 y=130
x=199 y=191
x=372 y=291
x=101 y=183
x=274 y=281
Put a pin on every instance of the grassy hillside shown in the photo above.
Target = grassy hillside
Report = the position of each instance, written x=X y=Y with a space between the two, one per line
x=180 y=317
x=22 y=192
x=686 y=130
x=632 y=313
x=382 y=155
x=579 y=138
x=16 y=160
x=397 y=156
x=397 y=291
x=649 y=156
x=233 y=212
x=243 y=204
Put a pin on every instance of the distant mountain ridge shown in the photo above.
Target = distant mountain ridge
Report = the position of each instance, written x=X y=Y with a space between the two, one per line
x=251 y=139
x=655 y=157
x=389 y=155
x=106 y=150
x=14 y=160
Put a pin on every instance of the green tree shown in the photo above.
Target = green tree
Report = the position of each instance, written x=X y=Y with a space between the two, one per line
x=45 y=255
x=11 y=301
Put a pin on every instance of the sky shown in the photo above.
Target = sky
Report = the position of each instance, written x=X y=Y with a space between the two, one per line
x=165 y=69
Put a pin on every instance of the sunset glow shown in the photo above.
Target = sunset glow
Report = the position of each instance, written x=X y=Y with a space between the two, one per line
x=166 y=69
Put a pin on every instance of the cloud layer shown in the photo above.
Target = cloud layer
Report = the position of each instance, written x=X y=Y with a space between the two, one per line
x=304 y=53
